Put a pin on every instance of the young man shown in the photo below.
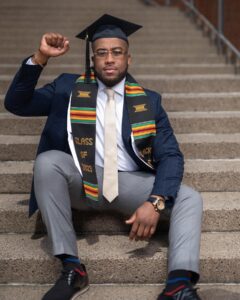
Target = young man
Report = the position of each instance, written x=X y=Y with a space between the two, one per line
x=107 y=145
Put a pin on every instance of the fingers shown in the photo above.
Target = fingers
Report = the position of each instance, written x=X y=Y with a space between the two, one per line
x=54 y=44
x=134 y=230
x=131 y=220
x=144 y=222
x=55 y=40
x=152 y=230
x=141 y=232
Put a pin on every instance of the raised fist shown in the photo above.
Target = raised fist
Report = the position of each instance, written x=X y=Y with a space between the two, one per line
x=51 y=45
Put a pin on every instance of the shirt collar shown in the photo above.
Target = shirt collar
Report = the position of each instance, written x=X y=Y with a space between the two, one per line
x=118 y=88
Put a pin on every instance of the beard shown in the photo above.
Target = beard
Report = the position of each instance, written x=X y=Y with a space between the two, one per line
x=110 y=82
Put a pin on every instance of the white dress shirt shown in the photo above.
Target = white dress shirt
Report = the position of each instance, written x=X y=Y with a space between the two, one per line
x=125 y=162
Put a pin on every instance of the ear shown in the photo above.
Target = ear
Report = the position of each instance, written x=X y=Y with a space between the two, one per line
x=129 y=59
x=92 y=58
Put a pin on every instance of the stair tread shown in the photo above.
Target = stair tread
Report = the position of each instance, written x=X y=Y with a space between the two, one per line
x=217 y=245
x=146 y=262
x=191 y=166
x=121 y=291
x=187 y=138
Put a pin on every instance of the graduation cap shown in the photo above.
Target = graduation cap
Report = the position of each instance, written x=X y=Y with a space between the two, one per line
x=106 y=26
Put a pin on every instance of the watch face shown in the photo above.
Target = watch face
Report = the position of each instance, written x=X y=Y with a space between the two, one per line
x=160 y=205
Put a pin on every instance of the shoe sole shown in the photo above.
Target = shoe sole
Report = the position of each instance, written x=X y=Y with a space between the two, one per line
x=80 y=293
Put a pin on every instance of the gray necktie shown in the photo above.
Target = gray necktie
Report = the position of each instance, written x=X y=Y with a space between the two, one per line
x=110 y=175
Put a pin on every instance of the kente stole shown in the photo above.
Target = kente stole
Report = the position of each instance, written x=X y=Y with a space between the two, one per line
x=83 y=123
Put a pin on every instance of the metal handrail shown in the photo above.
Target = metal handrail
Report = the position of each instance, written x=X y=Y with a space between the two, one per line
x=217 y=32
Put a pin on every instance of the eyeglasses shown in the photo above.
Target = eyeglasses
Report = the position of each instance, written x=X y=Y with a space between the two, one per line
x=116 y=53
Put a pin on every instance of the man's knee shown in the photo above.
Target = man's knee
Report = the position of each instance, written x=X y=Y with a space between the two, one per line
x=191 y=198
x=45 y=162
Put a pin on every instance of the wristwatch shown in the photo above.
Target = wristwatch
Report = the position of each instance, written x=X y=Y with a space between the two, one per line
x=158 y=202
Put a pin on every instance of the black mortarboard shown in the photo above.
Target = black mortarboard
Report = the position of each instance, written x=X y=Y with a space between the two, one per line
x=105 y=27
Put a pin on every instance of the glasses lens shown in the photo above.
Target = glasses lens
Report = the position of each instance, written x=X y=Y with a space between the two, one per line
x=102 y=53
x=117 y=52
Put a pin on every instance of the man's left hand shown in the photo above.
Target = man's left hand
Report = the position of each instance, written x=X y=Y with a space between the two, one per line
x=144 y=222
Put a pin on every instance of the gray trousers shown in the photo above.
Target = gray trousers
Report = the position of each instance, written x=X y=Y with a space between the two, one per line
x=58 y=187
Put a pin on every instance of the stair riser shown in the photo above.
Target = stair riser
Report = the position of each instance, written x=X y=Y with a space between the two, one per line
x=194 y=103
x=144 y=270
x=27 y=151
x=116 y=292
x=201 y=103
x=205 y=182
x=26 y=126
x=169 y=47
x=176 y=70
x=171 y=86
x=191 y=86
x=18 y=222
x=155 y=56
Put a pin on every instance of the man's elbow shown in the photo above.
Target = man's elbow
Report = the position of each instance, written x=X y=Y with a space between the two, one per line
x=10 y=106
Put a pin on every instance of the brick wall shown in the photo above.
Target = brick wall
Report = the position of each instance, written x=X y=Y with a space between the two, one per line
x=232 y=21
x=209 y=8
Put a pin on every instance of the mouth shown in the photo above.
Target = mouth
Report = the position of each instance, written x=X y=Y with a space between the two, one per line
x=109 y=71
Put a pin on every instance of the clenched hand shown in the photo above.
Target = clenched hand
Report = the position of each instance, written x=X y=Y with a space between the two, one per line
x=51 y=45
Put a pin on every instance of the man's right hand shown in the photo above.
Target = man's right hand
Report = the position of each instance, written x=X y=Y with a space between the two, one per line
x=52 y=45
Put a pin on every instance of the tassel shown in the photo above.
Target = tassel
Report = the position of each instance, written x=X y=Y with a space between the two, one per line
x=87 y=67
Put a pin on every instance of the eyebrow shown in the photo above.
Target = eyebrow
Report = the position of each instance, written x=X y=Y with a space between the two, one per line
x=114 y=48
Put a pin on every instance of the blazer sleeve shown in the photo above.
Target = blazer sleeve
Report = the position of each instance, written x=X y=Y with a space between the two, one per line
x=23 y=99
x=167 y=157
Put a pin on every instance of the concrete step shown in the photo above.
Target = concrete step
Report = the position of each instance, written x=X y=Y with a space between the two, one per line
x=28 y=49
x=70 y=30
x=205 y=175
x=204 y=146
x=221 y=211
x=147 y=68
x=120 y=291
x=70 y=27
x=210 y=146
x=190 y=83
x=131 y=7
x=20 y=125
x=135 y=47
x=201 y=101
x=167 y=83
x=140 y=38
x=29 y=261
x=18 y=147
x=205 y=122
x=78 y=50
x=152 y=16
x=179 y=39
x=178 y=102
x=165 y=58
x=89 y=14
x=182 y=122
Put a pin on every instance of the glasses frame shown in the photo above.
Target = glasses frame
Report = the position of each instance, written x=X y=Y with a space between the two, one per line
x=107 y=52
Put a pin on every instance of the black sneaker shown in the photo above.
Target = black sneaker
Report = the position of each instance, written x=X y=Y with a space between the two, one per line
x=187 y=293
x=72 y=283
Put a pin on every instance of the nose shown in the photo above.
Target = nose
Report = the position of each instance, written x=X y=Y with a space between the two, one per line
x=109 y=57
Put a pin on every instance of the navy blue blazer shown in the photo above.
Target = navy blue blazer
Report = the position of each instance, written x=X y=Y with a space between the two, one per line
x=52 y=101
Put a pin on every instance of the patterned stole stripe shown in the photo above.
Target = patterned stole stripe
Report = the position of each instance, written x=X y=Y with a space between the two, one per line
x=144 y=129
x=85 y=95
x=81 y=79
x=133 y=89
x=84 y=115
x=91 y=190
